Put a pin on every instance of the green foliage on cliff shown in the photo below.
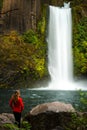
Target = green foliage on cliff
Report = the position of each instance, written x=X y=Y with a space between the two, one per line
x=30 y=37
x=41 y=26
x=80 y=48
x=39 y=55
x=22 y=58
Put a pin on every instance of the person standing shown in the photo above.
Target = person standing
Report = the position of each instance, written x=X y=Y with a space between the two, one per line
x=17 y=105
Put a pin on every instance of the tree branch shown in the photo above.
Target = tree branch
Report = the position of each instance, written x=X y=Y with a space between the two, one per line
x=8 y=11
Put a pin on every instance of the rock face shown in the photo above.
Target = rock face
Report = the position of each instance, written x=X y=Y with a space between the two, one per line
x=56 y=116
x=50 y=116
x=20 y=15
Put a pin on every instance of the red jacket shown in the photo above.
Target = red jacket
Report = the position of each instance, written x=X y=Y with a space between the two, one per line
x=18 y=106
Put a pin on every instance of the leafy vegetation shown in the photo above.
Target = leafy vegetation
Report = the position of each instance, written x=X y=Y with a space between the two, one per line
x=80 y=48
x=22 y=58
x=25 y=126
x=77 y=122
x=30 y=37
x=83 y=100
x=10 y=127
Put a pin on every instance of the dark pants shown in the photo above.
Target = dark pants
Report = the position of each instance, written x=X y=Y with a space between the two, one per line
x=17 y=116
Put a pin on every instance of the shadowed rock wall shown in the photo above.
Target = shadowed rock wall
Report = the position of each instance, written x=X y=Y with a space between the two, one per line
x=22 y=15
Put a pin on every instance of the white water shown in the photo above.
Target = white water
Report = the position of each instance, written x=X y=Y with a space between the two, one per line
x=60 y=47
x=60 y=44
x=60 y=59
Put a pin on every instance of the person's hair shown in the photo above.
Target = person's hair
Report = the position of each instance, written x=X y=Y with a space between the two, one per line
x=15 y=96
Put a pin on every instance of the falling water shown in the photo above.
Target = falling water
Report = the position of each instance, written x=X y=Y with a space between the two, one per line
x=60 y=63
x=60 y=58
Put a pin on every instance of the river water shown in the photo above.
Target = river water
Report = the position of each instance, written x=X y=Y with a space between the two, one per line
x=32 y=98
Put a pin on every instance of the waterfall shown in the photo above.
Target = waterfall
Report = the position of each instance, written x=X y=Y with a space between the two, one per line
x=60 y=57
x=60 y=63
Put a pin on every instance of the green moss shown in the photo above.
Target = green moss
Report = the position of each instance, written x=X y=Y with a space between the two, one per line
x=80 y=47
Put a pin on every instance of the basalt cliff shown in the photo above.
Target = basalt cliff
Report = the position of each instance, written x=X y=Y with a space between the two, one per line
x=22 y=15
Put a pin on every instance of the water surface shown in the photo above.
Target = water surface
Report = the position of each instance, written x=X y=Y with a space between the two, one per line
x=32 y=98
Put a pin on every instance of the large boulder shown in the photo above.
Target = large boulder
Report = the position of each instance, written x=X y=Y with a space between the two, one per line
x=56 y=116
x=53 y=106
x=50 y=116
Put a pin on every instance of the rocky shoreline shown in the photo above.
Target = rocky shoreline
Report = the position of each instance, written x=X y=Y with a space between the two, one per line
x=50 y=116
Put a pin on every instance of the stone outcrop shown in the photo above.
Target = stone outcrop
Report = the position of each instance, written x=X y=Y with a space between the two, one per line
x=20 y=15
x=55 y=116
x=57 y=121
x=50 y=116
x=53 y=106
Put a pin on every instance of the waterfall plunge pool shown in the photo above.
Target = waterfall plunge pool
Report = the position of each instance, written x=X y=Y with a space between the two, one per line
x=32 y=98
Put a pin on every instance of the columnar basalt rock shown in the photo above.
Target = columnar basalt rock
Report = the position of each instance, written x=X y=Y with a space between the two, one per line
x=20 y=15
